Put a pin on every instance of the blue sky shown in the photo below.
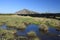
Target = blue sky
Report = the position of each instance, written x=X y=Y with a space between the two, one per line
x=11 y=6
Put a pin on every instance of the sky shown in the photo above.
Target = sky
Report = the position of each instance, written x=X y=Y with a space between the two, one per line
x=42 y=6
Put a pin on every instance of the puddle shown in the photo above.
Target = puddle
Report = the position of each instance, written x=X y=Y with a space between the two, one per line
x=51 y=35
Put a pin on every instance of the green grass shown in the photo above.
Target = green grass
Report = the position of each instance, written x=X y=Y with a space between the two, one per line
x=17 y=21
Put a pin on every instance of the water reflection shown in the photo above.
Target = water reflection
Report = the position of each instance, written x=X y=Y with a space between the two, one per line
x=3 y=26
x=53 y=30
x=51 y=35
x=29 y=28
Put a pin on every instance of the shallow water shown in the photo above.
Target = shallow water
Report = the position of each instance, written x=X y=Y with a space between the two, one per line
x=51 y=35
x=3 y=26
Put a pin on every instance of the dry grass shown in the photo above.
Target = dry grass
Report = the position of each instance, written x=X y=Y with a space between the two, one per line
x=17 y=21
x=31 y=34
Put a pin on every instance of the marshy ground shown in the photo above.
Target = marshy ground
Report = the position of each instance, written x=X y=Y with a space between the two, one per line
x=21 y=23
x=15 y=20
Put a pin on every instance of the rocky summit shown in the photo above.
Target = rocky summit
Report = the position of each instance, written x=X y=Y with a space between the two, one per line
x=26 y=11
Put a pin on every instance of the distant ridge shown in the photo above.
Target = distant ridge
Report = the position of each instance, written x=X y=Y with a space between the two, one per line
x=26 y=11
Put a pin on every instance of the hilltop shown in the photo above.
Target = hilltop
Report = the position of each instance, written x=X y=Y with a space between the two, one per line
x=26 y=11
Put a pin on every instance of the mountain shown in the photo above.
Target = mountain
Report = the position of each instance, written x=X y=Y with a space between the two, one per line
x=26 y=11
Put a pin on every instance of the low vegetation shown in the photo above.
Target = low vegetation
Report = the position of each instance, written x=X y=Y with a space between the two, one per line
x=31 y=34
x=43 y=28
x=17 y=21
x=21 y=22
x=6 y=34
x=36 y=38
